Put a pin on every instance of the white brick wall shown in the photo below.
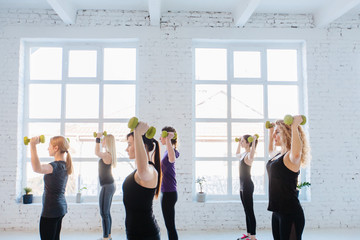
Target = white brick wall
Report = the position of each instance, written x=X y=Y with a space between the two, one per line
x=165 y=63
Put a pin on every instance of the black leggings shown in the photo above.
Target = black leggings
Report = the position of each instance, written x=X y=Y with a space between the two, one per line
x=288 y=226
x=168 y=200
x=246 y=197
x=50 y=228
x=155 y=237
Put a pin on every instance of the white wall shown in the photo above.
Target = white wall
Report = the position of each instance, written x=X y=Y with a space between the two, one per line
x=165 y=62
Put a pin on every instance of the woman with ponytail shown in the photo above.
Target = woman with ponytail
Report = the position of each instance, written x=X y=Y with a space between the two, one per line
x=168 y=186
x=55 y=180
x=142 y=185
x=106 y=162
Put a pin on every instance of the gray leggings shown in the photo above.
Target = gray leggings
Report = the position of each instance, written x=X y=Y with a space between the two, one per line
x=105 y=199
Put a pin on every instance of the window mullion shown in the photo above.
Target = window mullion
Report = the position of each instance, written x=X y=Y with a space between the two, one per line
x=230 y=70
x=65 y=62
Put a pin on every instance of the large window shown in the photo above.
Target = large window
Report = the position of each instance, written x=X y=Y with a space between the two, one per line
x=239 y=86
x=74 y=89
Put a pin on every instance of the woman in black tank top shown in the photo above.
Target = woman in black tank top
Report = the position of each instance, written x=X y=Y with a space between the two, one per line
x=141 y=186
x=283 y=169
x=106 y=163
x=246 y=184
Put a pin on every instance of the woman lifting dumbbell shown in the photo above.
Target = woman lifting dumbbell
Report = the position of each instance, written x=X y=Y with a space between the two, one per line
x=283 y=169
x=248 y=143
x=55 y=180
x=168 y=187
x=142 y=185
x=106 y=162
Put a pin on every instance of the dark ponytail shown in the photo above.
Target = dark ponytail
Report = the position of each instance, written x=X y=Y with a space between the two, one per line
x=149 y=146
x=157 y=167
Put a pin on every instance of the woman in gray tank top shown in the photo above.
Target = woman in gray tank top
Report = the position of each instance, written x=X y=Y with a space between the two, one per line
x=106 y=162
x=55 y=180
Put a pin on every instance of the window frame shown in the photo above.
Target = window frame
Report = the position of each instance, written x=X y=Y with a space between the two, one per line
x=67 y=46
x=261 y=46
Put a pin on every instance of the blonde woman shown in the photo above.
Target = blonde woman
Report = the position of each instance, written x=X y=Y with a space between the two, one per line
x=55 y=179
x=283 y=169
x=106 y=162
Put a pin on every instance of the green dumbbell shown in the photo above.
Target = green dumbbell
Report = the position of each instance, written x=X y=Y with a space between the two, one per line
x=269 y=125
x=134 y=121
x=288 y=120
x=104 y=133
x=237 y=139
x=164 y=134
x=41 y=139
x=251 y=139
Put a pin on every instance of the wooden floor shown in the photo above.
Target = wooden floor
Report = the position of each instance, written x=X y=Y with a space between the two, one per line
x=309 y=234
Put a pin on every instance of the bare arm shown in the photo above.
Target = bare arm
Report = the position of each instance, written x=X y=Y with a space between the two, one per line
x=35 y=162
x=144 y=171
x=271 y=142
x=169 y=148
x=106 y=157
x=238 y=150
x=250 y=157
x=296 y=144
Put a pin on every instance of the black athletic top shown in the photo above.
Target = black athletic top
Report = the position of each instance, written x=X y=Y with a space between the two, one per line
x=105 y=174
x=282 y=187
x=245 y=175
x=54 y=202
x=140 y=221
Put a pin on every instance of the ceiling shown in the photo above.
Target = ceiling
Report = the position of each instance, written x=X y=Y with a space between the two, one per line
x=324 y=11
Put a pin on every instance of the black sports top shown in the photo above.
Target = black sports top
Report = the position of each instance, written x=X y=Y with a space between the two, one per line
x=245 y=175
x=282 y=187
x=54 y=201
x=105 y=174
x=140 y=221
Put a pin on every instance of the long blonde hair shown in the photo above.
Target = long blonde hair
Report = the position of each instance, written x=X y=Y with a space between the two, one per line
x=63 y=146
x=286 y=140
x=111 y=148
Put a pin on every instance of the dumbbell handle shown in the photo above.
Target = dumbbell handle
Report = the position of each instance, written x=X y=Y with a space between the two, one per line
x=288 y=119
x=27 y=140
x=164 y=134
x=104 y=133
x=134 y=121
x=269 y=125
x=251 y=139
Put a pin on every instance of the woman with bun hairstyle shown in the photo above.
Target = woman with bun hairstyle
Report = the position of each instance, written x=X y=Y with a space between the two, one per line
x=142 y=186
x=55 y=179
x=106 y=163
x=283 y=169
x=246 y=184
x=169 y=194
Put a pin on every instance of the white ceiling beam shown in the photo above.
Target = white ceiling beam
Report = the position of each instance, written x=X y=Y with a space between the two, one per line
x=244 y=10
x=155 y=12
x=333 y=11
x=65 y=10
